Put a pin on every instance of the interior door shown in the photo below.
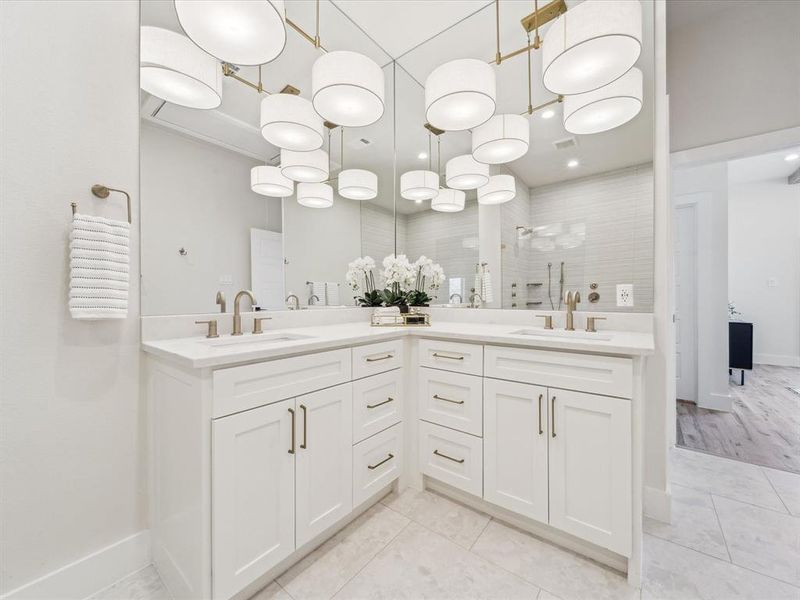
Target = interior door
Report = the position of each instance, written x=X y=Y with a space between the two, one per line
x=515 y=447
x=685 y=241
x=266 y=268
x=590 y=468
x=324 y=464
x=252 y=495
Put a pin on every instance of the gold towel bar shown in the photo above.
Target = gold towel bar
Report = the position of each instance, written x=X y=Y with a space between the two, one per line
x=102 y=191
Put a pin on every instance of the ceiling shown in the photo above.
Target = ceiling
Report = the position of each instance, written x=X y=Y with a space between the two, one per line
x=763 y=167
x=421 y=35
x=682 y=13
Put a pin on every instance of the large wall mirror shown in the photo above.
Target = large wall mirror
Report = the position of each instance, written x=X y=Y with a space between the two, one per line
x=581 y=216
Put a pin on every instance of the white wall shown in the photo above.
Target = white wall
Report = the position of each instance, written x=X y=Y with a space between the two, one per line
x=734 y=73
x=197 y=196
x=707 y=187
x=764 y=245
x=72 y=473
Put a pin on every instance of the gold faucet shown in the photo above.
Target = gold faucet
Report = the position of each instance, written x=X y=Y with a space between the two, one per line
x=237 y=316
x=571 y=299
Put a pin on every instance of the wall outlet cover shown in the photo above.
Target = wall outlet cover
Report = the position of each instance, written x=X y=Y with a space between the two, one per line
x=625 y=294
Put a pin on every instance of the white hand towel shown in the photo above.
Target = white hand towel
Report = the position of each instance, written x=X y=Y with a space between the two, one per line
x=99 y=256
x=488 y=292
x=331 y=294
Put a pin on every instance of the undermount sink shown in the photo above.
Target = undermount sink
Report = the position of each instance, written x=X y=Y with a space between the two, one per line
x=560 y=333
x=255 y=340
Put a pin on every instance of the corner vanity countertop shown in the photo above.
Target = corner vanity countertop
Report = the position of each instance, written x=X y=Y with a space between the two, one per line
x=199 y=352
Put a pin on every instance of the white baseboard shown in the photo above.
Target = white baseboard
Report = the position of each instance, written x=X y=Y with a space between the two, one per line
x=714 y=401
x=90 y=574
x=778 y=360
x=657 y=504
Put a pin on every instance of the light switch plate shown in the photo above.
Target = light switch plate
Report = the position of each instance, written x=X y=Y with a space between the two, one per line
x=625 y=294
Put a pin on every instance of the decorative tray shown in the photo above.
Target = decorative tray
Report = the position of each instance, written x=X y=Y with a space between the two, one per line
x=411 y=319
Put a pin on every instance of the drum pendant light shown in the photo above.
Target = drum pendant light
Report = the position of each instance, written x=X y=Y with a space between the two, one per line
x=500 y=189
x=591 y=45
x=419 y=185
x=448 y=200
x=460 y=94
x=606 y=108
x=358 y=184
x=241 y=32
x=501 y=139
x=347 y=89
x=465 y=173
x=174 y=69
x=289 y=121
x=306 y=167
x=315 y=195
x=268 y=181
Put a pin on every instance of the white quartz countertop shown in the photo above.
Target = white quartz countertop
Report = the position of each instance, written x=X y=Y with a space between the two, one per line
x=199 y=352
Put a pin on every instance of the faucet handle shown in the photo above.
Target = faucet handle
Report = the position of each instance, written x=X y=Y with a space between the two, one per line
x=257 y=324
x=591 y=322
x=548 y=320
x=212 y=327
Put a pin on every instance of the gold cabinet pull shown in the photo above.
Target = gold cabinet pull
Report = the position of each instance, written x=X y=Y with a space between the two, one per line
x=438 y=397
x=304 y=445
x=380 y=358
x=437 y=355
x=389 y=399
x=376 y=465
x=541 y=431
x=455 y=460
x=553 y=416
x=292 y=449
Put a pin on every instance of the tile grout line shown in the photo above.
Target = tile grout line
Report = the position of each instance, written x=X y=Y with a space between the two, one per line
x=727 y=497
x=774 y=489
x=485 y=527
x=721 y=530
x=663 y=539
x=285 y=591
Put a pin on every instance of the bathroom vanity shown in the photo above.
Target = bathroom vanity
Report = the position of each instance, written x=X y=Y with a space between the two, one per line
x=264 y=446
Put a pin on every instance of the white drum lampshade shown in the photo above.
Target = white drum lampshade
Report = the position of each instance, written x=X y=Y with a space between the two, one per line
x=465 y=173
x=448 y=200
x=358 y=184
x=591 y=45
x=419 y=185
x=241 y=32
x=268 y=181
x=289 y=121
x=305 y=167
x=315 y=195
x=501 y=188
x=347 y=88
x=501 y=139
x=460 y=94
x=174 y=69
x=606 y=108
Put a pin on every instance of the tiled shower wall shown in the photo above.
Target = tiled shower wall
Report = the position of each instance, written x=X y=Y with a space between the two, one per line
x=615 y=210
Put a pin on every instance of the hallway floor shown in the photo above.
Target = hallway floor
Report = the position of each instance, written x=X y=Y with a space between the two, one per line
x=763 y=428
x=735 y=534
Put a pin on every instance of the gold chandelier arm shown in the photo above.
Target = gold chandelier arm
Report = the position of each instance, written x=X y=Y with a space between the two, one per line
x=498 y=58
x=227 y=71
x=534 y=109
x=314 y=41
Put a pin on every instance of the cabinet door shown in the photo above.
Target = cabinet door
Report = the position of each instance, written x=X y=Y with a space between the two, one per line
x=324 y=462
x=590 y=468
x=252 y=502
x=515 y=447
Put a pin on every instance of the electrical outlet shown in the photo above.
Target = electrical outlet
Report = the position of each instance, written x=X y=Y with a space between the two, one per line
x=625 y=294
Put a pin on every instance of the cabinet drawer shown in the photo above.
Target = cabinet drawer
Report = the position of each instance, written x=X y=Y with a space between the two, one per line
x=605 y=375
x=377 y=403
x=452 y=457
x=377 y=358
x=451 y=399
x=241 y=388
x=377 y=461
x=451 y=356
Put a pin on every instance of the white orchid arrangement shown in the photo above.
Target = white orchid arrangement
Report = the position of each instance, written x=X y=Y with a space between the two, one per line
x=361 y=270
x=404 y=282
x=429 y=276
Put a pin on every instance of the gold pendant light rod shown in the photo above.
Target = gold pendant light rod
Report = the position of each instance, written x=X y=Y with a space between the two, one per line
x=532 y=22
x=229 y=70
x=530 y=82
x=314 y=41
x=498 y=57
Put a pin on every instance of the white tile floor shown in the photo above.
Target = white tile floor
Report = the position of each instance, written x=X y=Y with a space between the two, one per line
x=735 y=534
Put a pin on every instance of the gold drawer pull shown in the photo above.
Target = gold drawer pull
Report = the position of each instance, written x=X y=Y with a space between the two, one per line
x=375 y=466
x=455 y=460
x=380 y=358
x=541 y=431
x=293 y=448
x=553 y=416
x=437 y=355
x=438 y=397
x=390 y=399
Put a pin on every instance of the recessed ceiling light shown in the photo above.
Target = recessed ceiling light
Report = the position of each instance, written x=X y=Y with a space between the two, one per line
x=791 y=157
x=548 y=114
x=418 y=201
x=422 y=155
x=573 y=163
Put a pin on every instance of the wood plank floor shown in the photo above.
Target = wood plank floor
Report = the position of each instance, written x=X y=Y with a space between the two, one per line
x=763 y=428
